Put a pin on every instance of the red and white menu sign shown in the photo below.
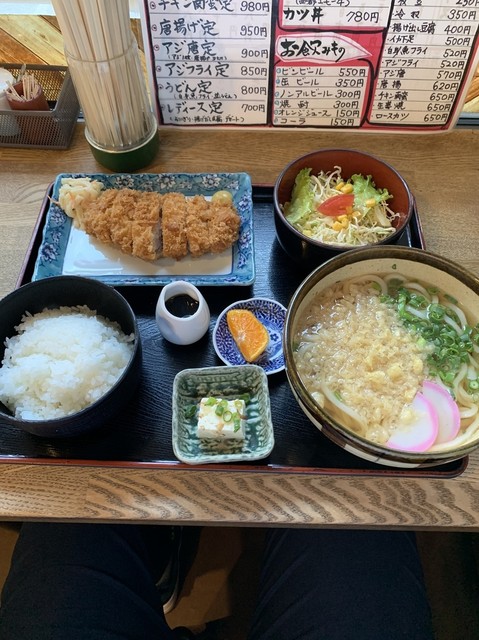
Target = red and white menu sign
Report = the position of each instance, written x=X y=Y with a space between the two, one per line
x=377 y=65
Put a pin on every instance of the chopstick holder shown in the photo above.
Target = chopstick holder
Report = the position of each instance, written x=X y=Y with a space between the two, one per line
x=26 y=95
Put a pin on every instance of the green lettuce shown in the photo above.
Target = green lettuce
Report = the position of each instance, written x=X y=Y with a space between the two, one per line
x=302 y=198
x=365 y=189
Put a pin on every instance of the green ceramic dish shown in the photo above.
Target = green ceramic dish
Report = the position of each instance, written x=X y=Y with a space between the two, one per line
x=190 y=385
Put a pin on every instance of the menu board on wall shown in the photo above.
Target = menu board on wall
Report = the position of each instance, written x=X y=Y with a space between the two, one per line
x=395 y=65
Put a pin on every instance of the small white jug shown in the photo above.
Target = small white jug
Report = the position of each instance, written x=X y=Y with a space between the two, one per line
x=182 y=314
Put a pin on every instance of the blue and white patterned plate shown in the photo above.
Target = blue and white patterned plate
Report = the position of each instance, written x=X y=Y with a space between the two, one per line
x=66 y=250
x=272 y=314
x=190 y=385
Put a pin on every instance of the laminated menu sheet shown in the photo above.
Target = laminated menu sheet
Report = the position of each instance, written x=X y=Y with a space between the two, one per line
x=372 y=65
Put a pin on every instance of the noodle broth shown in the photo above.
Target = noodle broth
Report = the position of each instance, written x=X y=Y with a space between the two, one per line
x=362 y=356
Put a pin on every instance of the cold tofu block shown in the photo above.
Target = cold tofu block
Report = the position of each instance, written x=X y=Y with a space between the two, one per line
x=220 y=419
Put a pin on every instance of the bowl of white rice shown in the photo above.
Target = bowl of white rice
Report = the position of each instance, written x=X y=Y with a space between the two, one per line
x=70 y=356
x=382 y=354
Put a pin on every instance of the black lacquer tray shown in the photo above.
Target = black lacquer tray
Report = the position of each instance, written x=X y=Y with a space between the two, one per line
x=141 y=436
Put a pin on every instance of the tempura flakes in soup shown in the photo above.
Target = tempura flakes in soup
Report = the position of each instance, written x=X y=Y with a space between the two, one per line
x=354 y=353
x=61 y=361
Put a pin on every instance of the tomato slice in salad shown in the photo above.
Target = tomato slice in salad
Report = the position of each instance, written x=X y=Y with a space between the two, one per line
x=336 y=205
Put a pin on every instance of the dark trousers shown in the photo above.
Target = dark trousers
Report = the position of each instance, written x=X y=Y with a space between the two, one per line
x=97 y=582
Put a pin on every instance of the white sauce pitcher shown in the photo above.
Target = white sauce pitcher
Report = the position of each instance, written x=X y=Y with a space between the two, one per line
x=182 y=313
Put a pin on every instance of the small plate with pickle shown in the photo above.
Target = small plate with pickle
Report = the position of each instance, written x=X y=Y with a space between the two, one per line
x=271 y=315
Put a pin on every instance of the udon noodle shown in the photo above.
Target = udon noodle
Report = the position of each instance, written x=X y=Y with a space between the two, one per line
x=366 y=345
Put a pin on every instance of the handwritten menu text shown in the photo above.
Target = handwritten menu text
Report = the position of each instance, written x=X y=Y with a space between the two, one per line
x=377 y=64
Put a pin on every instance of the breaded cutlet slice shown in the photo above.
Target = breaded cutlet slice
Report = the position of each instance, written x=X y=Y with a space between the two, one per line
x=173 y=213
x=198 y=213
x=147 y=226
x=224 y=226
x=146 y=240
x=121 y=234
x=120 y=213
x=127 y=219
x=147 y=206
x=97 y=217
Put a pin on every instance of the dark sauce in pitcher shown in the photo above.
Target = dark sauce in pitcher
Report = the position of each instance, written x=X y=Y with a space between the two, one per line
x=182 y=305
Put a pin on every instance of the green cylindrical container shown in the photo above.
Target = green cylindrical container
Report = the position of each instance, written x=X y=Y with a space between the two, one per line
x=129 y=158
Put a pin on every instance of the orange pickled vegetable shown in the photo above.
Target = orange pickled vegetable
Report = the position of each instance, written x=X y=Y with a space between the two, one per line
x=250 y=335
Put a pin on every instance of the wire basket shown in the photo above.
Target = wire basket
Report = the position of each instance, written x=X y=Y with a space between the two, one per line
x=43 y=129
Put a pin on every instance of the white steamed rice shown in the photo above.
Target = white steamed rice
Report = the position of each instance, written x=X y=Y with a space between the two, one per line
x=61 y=361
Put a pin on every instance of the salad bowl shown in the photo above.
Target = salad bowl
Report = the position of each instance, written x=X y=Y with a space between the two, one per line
x=299 y=224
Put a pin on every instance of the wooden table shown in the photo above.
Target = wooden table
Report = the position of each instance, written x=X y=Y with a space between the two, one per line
x=443 y=172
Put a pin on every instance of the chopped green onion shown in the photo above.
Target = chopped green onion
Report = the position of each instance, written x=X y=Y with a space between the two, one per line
x=447 y=378
x=435 y=312
x=211 y=401
x=450 y=348
x=473 y=385
x=417 y=301
x=452 y=314
x=190 y=410
x=227 y=416
x=222 y=404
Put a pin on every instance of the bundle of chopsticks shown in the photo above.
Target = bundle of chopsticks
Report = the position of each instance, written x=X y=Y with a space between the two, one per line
x=103 y=58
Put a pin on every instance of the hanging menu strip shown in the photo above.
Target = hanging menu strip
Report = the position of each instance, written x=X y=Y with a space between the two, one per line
x=343 y=64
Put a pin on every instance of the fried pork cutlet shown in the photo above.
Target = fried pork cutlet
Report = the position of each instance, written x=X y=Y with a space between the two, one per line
x=128 y=219
x=149 y=225
x=211 y=227
x=198 y=214
x=146 y=228
x=224 y=225
x=97 y=218
x=173 y=212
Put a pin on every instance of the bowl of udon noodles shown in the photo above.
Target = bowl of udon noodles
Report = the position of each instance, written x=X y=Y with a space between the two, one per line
x=382 y=354
x=70 y=356
x=330 y=201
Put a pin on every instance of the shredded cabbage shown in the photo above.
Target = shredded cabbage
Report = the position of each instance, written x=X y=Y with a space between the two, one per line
x=75 y=196
x=368 y=222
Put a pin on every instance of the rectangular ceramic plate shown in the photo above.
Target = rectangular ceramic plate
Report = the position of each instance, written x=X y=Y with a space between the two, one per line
x=190 y=385
x=66 y=250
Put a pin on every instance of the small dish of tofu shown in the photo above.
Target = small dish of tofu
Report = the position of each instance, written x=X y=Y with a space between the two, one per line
x=222 y=419
x=221 y=415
